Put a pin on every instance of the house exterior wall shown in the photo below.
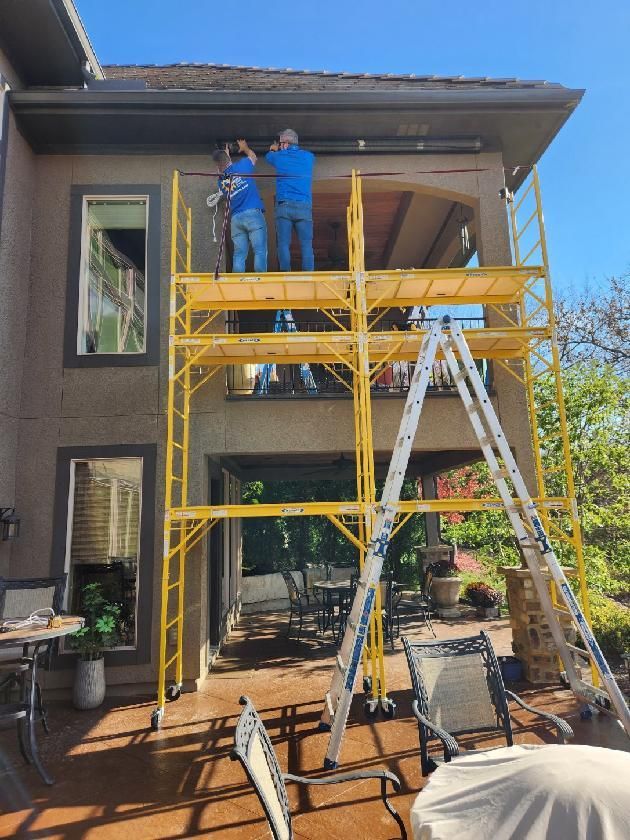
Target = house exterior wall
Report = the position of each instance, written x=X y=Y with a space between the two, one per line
x=61 y=406
x=17 y=179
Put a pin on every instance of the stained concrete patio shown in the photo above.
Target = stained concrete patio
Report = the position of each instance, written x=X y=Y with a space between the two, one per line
x=117 y=779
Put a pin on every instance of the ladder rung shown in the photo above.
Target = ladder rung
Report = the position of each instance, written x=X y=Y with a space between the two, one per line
x=502 y=473
x=562 y=612
x=595 y=696
x=340 y=663
x=329 y=704
x=584 y=653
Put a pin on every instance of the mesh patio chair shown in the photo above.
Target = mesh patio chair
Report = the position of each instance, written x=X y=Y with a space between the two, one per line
x=19 y=597
x=253 y=748
x=300 y=604
x=459 y=690
x=422 y=606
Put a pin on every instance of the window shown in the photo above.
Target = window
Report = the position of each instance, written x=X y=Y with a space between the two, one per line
x=103 y=537
x=112 y=285
x=113 y=290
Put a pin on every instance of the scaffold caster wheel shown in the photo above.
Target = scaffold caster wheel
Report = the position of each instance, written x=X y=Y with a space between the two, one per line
x=586 y=713
x=173 y=692
x=367 y=685
x=329 y=764
x=370 y=708
x=389 y=709
x=156 y=719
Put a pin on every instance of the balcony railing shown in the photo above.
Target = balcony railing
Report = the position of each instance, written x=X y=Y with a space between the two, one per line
x=289 y=380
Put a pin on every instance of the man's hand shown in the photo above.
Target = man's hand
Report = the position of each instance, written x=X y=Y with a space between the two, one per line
x=274 y=146
x=245 y=150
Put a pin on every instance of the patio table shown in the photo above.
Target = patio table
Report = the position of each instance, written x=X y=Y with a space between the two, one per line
x=24 y=711
x=330 y=588
x=529 y=792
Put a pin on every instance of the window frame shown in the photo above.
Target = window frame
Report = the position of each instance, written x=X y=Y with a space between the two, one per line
x=80 y=194
x=62 y=521
x=67 y=560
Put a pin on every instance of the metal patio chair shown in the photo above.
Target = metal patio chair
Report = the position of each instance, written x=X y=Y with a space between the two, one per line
x=422 y=605
x=19 y=597
x=459 y=690
x=253 y=748
x=300 y=604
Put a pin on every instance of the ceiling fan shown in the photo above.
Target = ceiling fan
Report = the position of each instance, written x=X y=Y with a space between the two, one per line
x=339 y=466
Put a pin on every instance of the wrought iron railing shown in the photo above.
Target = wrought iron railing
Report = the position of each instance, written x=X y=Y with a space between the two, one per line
x=286 y=380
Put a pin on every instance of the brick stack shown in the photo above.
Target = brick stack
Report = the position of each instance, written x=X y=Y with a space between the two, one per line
x=532 y=641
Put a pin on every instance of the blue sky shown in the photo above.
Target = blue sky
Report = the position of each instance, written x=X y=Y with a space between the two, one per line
x=586 y=187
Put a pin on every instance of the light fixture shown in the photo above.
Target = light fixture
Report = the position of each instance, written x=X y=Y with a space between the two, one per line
x=10 y=523
x=464 y=239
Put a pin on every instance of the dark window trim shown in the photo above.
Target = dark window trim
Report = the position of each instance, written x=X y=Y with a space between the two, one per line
x=151 y=356
x=4 y=146
x=146 y=562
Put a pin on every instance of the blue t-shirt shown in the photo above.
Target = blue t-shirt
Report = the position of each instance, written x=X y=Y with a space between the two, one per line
x=298 y=164
x=245 y=195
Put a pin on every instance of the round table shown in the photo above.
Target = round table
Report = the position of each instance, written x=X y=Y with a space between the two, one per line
x=527 y=792
x=24 y=712
x=329 y=588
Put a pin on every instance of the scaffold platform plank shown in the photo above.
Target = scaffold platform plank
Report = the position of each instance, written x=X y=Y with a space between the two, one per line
x=329 y=290
x=331 y=347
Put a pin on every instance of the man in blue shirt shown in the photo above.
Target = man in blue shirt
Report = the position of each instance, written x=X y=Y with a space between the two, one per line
x=294 y=198
x=247 y=223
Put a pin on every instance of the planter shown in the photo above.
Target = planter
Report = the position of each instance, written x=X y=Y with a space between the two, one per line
x=487 y=612
x=445 y=593
x=89 y=684
x=511 y=668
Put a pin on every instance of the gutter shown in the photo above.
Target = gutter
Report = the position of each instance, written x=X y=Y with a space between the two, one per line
x=535 y=99
x=73 y=25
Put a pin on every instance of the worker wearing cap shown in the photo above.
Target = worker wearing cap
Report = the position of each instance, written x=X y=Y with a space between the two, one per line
x=294 y=198
x=247 y=223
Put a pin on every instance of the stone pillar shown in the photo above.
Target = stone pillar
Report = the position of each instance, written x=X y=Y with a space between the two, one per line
x=432 y=520
x=532 y=641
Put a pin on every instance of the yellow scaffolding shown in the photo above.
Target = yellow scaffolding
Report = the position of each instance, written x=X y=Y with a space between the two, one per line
x=523 y=344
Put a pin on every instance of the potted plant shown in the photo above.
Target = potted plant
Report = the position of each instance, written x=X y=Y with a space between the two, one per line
x=99 y=632
x=445 y=588
x=485 y=598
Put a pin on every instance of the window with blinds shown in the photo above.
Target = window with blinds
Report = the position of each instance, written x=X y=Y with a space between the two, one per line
x=105 y=534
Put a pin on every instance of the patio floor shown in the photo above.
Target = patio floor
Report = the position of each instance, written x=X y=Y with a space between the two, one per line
x=117 y=779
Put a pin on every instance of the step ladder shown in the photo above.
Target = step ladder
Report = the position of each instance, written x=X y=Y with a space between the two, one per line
x=447 y=335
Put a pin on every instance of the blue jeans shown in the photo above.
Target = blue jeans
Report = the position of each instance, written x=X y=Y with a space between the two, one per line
x=300 y=214
x=249 y=227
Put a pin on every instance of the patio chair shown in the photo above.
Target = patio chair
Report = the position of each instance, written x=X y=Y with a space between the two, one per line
x=300 y=604
x=422 y=606
x=459 y=690
x=19 y=597
x=253 y=748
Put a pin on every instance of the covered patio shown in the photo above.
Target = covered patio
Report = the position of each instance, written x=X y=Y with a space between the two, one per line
x=116 y=778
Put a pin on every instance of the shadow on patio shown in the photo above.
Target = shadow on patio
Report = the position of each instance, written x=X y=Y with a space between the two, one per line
x=115 y=778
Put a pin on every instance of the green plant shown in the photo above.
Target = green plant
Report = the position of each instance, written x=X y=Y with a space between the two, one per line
x=100 y=630
x=611 y=624
x=481 y=595
x=444 y=570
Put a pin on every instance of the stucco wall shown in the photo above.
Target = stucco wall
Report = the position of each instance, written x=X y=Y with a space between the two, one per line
x=15 y=251
x=71 y=407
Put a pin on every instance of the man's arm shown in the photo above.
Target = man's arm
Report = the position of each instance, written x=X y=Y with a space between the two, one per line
x=245 y=150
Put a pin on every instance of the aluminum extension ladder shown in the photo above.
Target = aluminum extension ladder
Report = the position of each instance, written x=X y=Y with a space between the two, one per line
x=284 y=323
x=447 y=335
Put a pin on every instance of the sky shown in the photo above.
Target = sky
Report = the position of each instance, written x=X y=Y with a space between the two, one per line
x=584 y=174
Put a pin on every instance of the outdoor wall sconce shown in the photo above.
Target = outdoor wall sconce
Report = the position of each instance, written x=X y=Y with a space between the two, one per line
x=9 y=524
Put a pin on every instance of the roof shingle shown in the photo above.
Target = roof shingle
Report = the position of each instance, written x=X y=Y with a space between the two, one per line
x=227 y=77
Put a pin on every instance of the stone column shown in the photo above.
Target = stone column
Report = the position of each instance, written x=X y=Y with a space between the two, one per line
x=532 y=641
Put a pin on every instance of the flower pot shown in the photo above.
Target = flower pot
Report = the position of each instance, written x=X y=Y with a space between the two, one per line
x=487 y=612
x=89 y=684
x=445 y=592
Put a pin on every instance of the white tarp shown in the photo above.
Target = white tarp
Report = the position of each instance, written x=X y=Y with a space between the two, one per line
x=527 y=792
